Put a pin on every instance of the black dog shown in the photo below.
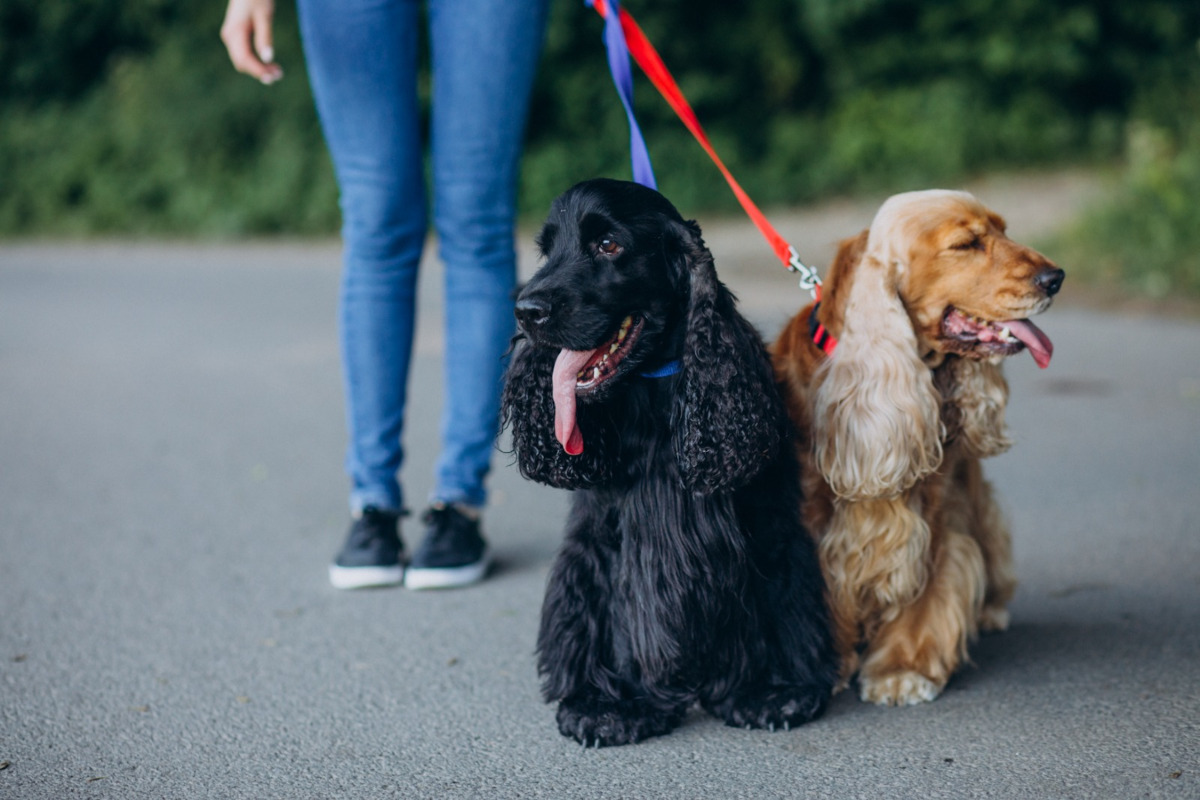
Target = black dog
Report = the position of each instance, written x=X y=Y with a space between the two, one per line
x=686 y=574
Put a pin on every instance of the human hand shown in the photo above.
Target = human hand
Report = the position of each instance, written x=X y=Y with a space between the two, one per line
x=246 y=33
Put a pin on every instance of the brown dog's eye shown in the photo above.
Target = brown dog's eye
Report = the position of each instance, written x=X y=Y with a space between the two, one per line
x=970 y=244
x=608 y=247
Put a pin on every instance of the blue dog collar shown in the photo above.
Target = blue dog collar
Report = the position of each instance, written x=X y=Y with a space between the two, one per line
x=669 y=368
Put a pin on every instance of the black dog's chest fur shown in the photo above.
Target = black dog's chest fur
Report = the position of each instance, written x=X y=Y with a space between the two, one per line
x=662 y=580
x=639 y=415
x=679 y=563
x=657 y=556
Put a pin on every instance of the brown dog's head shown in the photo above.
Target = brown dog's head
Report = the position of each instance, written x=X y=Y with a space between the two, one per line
x=967 y=288
x=934 y=276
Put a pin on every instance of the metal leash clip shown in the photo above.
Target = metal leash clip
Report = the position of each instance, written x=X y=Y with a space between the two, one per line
x=809 y=280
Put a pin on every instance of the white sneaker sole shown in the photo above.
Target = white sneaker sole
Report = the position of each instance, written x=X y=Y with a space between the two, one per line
x=365 y=577
x=448 y=577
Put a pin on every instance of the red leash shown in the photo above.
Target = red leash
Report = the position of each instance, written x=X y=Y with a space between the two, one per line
x=652 y=64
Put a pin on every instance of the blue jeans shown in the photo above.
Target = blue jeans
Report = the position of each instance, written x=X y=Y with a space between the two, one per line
x=362 y=63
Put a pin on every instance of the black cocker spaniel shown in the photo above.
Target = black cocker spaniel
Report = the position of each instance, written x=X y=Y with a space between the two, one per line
x=686 y=575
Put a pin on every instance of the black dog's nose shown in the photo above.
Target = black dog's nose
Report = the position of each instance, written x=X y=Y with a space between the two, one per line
x=1050 y=280
x=532 y=312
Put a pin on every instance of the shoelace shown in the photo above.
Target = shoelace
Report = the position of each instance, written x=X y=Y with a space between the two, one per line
x=439 y=518
x=376 y=524
x=442 y=511
x=444 y=521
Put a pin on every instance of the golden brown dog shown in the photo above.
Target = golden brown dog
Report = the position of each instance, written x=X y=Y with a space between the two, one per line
x=924 y=305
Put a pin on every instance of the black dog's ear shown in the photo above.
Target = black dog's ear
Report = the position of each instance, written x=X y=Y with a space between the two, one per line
x=527 y=409
x=728 y=419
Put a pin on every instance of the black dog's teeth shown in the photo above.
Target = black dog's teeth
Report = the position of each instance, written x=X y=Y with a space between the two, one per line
x=595 y=369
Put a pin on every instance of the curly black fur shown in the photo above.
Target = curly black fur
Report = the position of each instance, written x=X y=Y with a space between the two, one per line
x=686 y=575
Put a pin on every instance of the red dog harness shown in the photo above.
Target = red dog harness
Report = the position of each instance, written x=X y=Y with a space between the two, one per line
x=821 y=337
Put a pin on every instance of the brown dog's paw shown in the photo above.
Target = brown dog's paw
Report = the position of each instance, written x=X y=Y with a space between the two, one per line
x=905 y=688
x=993 y=618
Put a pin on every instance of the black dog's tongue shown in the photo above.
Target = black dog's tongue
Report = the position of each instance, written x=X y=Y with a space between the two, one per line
x=566 y=372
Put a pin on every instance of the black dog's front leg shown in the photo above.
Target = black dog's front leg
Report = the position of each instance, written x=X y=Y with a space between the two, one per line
x=790 y=643
x=598 y=721
x=583 y=655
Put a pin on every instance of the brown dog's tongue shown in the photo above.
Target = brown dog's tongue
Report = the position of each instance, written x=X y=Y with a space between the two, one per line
x=566 y=370
x=1039 y=344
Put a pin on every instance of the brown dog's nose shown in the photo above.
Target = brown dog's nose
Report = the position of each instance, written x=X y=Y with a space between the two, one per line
x=1050 y=280
x=532 y=313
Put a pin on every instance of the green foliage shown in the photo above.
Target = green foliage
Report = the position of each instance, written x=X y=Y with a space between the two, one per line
x=167 y=138
x=127 y=117
x=1146 y=236
x=1145 y=233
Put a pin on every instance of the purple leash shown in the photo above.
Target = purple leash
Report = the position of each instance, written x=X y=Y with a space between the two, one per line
x=622 y=73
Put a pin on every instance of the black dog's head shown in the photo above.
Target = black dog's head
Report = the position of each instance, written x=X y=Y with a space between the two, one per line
x=614 y=286
x=629 y=287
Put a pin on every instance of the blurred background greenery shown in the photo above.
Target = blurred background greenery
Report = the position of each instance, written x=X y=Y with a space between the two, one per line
x=125 y=118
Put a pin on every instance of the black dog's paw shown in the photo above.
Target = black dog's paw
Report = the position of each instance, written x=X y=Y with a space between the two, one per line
x=772 y=707
x=604 y=722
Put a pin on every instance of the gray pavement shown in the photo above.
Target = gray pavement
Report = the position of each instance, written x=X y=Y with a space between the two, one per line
x=171 y=491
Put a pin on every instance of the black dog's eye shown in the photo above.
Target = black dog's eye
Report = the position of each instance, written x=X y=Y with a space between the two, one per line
x=608 y=247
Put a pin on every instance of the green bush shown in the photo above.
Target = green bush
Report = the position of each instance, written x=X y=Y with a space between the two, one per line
x=125 y=117
x=167 y=139
x=1146 y=235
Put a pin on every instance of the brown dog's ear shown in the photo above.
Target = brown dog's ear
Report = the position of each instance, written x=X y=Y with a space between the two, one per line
x=841 y=274
x=876 y=421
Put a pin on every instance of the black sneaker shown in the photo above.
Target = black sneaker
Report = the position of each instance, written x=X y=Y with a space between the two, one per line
x=372 y=553
x=453 y=553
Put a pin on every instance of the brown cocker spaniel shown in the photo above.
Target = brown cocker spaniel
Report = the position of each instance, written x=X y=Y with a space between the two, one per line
x=895 y=382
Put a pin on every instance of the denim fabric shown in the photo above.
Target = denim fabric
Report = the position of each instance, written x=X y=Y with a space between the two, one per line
x=362 y=63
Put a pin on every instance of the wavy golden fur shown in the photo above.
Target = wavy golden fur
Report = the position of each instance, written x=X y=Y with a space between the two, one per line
x=924 y=305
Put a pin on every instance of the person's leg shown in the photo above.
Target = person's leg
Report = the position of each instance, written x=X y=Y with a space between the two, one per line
x=484 y=58
x=361 y=59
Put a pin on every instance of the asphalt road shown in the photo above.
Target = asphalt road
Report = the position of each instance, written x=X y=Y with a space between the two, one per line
x=171 y=492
